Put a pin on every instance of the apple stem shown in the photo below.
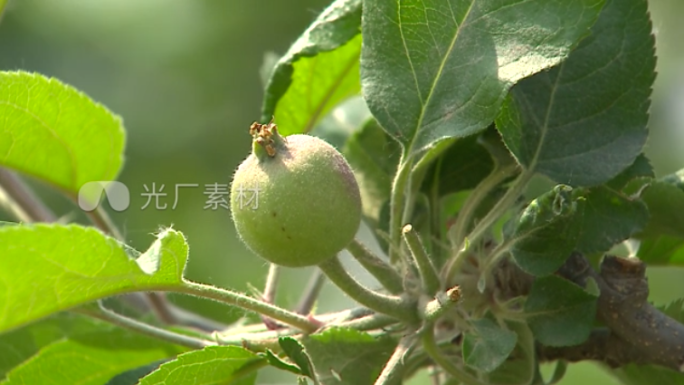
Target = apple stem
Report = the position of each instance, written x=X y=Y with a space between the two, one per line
x=247 y=303
x=394 y=306
x=388 y=277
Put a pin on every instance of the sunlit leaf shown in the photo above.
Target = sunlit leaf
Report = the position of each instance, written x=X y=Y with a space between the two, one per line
x=20 y=344
x=211 y=365
x=319 y=71
x=56 y=133
x=90 y=358
x=48 y=268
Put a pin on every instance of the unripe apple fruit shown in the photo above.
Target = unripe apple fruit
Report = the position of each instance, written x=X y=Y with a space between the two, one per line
x=294 y=200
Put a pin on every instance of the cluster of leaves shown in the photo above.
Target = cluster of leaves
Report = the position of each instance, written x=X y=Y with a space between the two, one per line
x=465 y=102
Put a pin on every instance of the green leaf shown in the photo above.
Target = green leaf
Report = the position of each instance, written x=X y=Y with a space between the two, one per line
x=343 y=121
x=374 y=156
x=54 y=267
x=346 y=356
x=320 y=70
x=131 y=377
x=296 y=352
x=662 y=250
x=545 y=234
x=488 y=346
x=559 y=312
x=633 y=374
x=56 y=133
x=558 y=372
x=211 y=365
x=641 y=168
x=665 y=201
x=20 y=344
x=90 y=358
x=460 y=168
x=277 y=362
x=584 y=121
x=608 y=218
x=662 y=241
x=521 y=365
x=437 y=69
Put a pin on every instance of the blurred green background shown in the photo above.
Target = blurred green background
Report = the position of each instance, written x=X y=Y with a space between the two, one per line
x=184 y=75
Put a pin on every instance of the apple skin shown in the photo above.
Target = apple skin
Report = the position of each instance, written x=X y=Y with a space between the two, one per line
x=305 y=203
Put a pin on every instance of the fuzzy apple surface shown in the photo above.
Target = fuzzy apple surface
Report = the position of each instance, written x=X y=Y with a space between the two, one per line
x=295 y=201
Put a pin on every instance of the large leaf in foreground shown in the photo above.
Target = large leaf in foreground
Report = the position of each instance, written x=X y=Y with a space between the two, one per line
x=20 y=344
x=48 y=268
x=90 y=358
x=346 y=356
x=320 y=70
x=584 y=121
x=211 y=365
x=436 y=69
x=56 y=133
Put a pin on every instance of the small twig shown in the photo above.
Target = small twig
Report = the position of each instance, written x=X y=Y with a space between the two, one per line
x=12 y=207
x=394 y=368
x=311 y=292
x=271 y=286
x=269 y=294
x=129 y=323
x=397 y=202
x=391 y=305
x=501 y=206
x=467 y=212
x=431 y=348
x=269 y=338
x=442 y=302
x=103 y=221
x=248 y=303
x=428 y=273
x=381 y=270
x=25 y=198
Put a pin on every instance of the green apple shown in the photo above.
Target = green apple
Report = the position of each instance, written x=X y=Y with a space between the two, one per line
x=294 y=200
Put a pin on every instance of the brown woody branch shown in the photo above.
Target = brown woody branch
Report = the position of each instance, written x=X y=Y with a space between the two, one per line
x=635 y=331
